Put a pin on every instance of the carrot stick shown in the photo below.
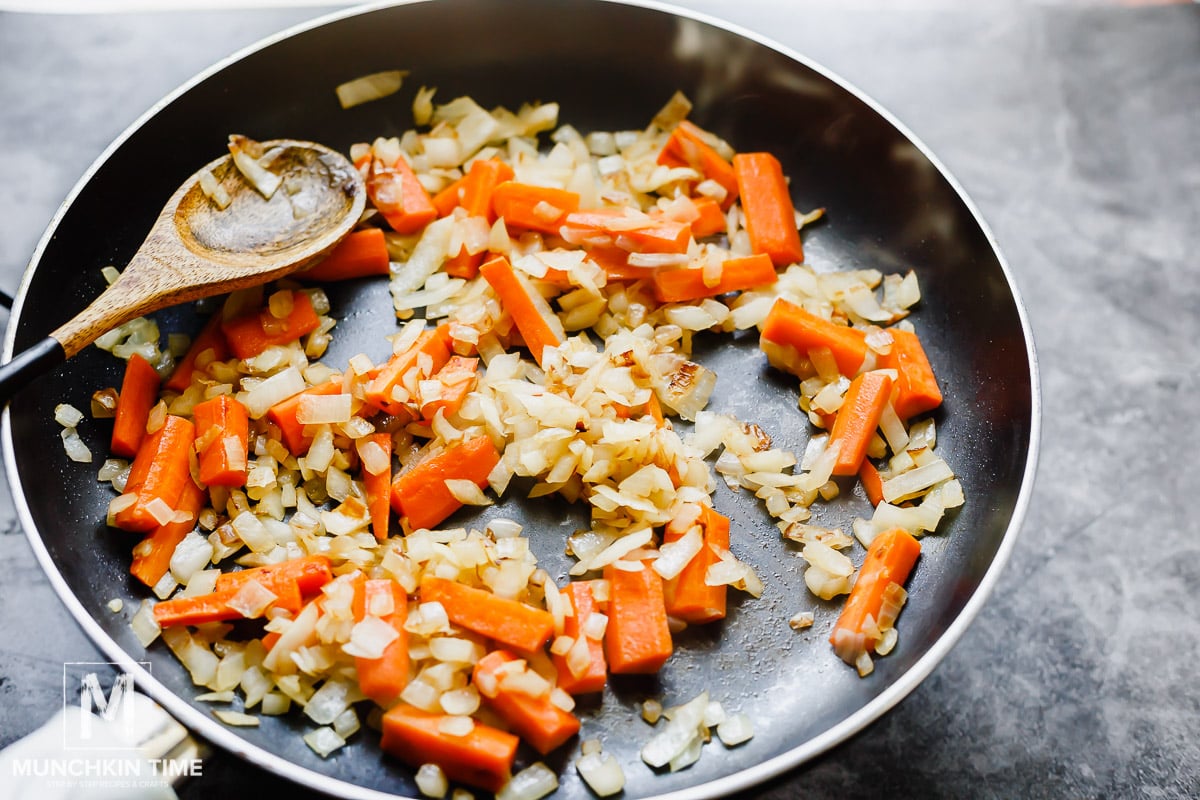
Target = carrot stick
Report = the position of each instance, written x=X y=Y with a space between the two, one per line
x=615 y=263
x=916 y=389
x=536 y=208
x=420 y=494
x=538 y=325
x=790 y=325
x=456 y=379
x=308 y=573
x=162 y=475
x=638 y=640
x=709 y=219
x=767 y=207
x=224 y=456
x=583 y=604
x=434 y=343
x=539 y=722
x=687 y=147
x=478 y=186
x=483 y=758
x=449 y=198
x=395 y=190
x=284 y=415
x=507 y=621
x=616 y=226
x=209 y=346
x=858 y=418
x=361 y=254
x=654 y=409
x=214 y=607
x=687 y=596
x=683 y=285
x=152 y=556
x=383 y=679
x=139 y=392
x=378 y=486
x=196 y=610
x=250 y=334
x=871 y=482
x=889 y=560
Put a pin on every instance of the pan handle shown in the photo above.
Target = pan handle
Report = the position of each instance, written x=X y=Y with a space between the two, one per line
x=24 y=367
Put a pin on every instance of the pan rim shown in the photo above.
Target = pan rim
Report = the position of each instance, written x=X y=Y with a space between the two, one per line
x=744 y=779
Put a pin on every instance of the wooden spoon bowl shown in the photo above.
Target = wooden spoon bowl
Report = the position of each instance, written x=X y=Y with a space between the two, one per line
x=196 y=249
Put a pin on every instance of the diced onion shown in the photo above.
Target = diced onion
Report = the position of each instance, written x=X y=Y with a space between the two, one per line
x=323 y=741
x=735 y=730
x=532 y=783
x=370 y=87
x=602 y=773
x=237 y=719
x=431 y=781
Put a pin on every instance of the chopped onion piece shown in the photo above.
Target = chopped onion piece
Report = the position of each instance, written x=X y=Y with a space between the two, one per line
x=237 y=719
x=532 y=783
x=370 y=638
x=323 y=409
x=323 y=741
x=467 y=492
x=144 y=626
x=602 y=773
x=683 y=728
x=252 y=599
x=67 y=415
x=674 y=556
x=213 y=190
x=370 y=87
x=735 y=730
x=75 y=448
x=431 y=781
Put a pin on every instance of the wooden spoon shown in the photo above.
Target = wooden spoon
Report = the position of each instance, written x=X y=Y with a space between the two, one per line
x=196 y=249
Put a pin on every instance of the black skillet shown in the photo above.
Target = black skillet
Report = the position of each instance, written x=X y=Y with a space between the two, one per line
x=610 y=66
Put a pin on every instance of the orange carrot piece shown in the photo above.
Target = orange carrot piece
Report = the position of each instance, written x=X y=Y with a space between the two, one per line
x=478 y=186
x=916 y=389
x=615 y=226
x=871 y=482
x=214 y=606
x=767 y=207
x=530 y=312
x=683 y=285
x=583 y=603
x=790 y=325
x=360 y=255
x=420 y=494
x=378 y=486
x=711 y=220
x=232 y=422
x=152 y=557
x=434 y=343
x=139 y=392
x=687 y=147
x=250 y=334
x=283 y=414
x=858 y=418
x=209 y=346
x=449 y=198
x=615 y=263
x=687 y=596
x=536 y=208
x=483 y=758
x=654 y=409
x=308 y=573
x=162 y=476
x=456 y=379
x=889 y=560
x=637 y=640
x=539 y=722
x=395 y=190
x=383 y=679
x=196 y=610
x=507 y=621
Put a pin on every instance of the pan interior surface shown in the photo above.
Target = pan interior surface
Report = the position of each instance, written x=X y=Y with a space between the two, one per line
x=609 y=66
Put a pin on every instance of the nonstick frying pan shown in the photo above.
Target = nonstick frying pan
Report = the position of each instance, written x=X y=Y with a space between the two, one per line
x=610 y=66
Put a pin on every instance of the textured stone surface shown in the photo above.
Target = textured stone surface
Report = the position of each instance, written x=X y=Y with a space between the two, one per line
x=1074 y=128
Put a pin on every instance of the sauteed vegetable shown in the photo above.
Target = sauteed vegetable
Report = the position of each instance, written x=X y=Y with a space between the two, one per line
x=303 y=524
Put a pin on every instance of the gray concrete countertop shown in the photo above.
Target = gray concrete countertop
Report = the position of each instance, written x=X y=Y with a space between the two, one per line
x=1075 y=130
